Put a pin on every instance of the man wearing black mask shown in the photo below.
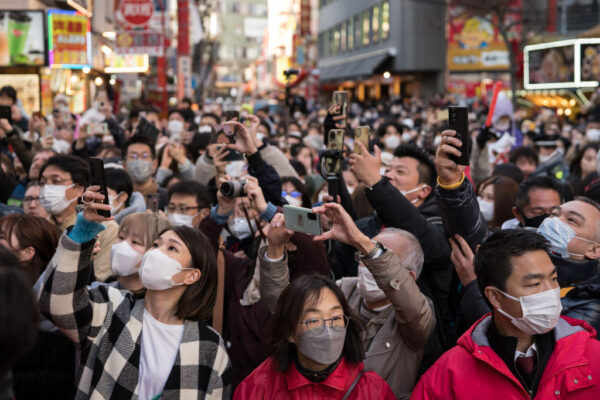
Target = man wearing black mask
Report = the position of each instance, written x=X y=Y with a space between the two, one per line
x=537 y=198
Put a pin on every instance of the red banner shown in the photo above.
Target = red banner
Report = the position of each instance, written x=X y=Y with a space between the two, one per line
x=183 y=18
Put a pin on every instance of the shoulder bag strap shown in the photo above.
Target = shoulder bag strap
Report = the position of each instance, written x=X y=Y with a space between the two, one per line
x=217 y=316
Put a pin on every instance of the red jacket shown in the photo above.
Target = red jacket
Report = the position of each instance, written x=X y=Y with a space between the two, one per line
x=265 y=382
x=472 y=370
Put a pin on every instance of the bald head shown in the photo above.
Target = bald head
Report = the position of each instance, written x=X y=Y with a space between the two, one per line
x=405 y=246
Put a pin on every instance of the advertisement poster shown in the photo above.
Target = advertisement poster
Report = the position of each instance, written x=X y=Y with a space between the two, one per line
x=28 y=87
x=22 y=38
x=552 y=65
x=590 y=62
x=125 y=63
x=68 y=38
x=474 y=44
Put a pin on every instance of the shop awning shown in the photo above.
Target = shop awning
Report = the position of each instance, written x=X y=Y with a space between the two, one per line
x=354 y=67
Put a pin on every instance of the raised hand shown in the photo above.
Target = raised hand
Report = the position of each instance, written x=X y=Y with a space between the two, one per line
x=365 y=166
x=448 y=171
x=92 y=201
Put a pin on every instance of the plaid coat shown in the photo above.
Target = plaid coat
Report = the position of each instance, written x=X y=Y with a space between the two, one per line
x=107 y=324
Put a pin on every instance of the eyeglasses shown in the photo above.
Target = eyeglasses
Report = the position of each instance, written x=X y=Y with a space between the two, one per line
x=183 y=209
x=31 y=199
x=54 y=181
x=293 y=194
x=338 y=323
x=135 y=156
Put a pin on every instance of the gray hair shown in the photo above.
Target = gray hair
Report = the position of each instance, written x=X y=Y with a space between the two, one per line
x=411 y=256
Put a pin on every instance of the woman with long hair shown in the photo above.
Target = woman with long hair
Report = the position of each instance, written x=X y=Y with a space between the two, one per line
x=155 y=347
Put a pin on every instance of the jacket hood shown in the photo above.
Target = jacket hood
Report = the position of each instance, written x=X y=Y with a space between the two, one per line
x=476 y=335
x=137 y=204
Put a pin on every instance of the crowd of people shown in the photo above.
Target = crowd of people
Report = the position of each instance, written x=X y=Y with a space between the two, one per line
x=177 y=275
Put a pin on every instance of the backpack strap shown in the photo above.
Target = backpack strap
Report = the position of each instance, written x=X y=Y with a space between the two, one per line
x=351 y=388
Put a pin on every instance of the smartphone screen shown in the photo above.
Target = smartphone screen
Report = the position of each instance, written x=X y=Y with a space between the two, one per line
x=341 y=98
x=301 y=219
x=97 y=178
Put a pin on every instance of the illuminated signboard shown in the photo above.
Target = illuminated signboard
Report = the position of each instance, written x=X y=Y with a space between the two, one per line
x=68 y=39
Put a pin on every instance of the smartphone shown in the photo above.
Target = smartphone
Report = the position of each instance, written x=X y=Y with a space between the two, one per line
x=341 y=98
x=104 y=128
x=49 y=132
x=148 y=130
x=6 y=113
x=175 y=138
x=361 y=134
x=458 y=120
x=152 y=202
x=224 y=134
x=97 y=178
x=232 y=114
x=335 y=141
x=301 y=219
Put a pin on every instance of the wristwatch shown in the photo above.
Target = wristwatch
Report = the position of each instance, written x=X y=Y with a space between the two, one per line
x=377 y=246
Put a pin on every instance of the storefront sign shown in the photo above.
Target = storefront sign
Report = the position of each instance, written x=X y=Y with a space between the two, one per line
x=184 y=76
x=150 y=43
x=125 y=63
x=68 y=39
x=22 y=38
x=136 y=12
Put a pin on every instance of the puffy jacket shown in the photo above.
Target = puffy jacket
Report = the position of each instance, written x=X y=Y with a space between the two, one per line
x=268 y=383
x=473 y=370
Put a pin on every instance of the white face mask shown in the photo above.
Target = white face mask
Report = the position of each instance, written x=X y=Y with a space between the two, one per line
x=157 y=270
x=392 y=141
x=260 y=136
x=487 y=208
x=405 y=192
x=115 y=207
x=321 y=196
x=406 y=137
x=350 y=189
x=240 y=229
x=175 y=126
x=293 y=201
x=53 y=198
x=540 y=312
x=182 y=220
x=593 y=135
x=61 y=146
x=367 y=287
x=124 y=259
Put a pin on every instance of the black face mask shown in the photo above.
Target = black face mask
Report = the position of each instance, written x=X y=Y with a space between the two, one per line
x=574 y=271
x=533 y=222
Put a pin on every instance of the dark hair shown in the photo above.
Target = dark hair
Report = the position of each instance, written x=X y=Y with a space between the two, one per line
x=79 y=169
x=138 y=139
x=187 y=100
x=192 y=188
x=32 y=231
x=307 y=289
x=300 y=187
x=296 y=148
x=18 y=313
x=493 y=264
x=592 y=191
x=10 y=92
x=575 y=166
x=176 y=111
x=298 y=167
x=111 y=148
x=426 y=168
x=119 y=181
x=211 y=115
x=383 y=128
x=266 y=125
x=536 y=182
x=198 y=300
x=509 y=170
x=524 y=152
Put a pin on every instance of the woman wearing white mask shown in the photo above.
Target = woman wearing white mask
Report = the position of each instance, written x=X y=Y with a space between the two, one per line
x=496 y=196
x=390 y=134
x=178 y=355
x=137 y=233
x=294 y=192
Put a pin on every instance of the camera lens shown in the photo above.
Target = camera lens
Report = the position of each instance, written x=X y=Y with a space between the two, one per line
x=232 y=189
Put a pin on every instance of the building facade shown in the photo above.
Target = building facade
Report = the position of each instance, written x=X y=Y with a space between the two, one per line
x=382 y=48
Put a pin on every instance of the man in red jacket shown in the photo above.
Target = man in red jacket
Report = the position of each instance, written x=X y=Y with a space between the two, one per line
x=524 y=349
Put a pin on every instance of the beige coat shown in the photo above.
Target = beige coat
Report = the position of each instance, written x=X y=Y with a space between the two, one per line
x=398 y=333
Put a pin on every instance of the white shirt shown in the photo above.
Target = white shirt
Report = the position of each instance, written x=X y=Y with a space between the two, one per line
x=530 y=352
x=160 y=344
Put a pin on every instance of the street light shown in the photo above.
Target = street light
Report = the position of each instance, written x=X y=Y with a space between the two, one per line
x=86 y=70
x=98 y=81
x=386 y=75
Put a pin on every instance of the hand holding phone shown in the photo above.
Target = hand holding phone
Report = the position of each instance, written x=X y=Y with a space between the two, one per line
x=458 y=119
x=361 y=134
x=341 y=98
x=97 y=178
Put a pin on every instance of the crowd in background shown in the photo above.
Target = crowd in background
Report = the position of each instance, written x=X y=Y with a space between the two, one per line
x=190 y=284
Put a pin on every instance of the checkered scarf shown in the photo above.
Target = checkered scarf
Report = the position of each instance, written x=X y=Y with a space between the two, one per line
x=107 y=324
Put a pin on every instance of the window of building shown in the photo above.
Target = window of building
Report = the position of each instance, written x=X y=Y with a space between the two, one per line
x=343 y=42
x=258 y=10
x=375 y=23
x=336 y=39
x=357 y=32
x=327 y=42
x=385 y=20
x=350 y=34
x=366 y=27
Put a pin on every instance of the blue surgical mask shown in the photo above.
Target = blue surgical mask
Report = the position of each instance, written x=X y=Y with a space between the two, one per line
x=559 y=234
